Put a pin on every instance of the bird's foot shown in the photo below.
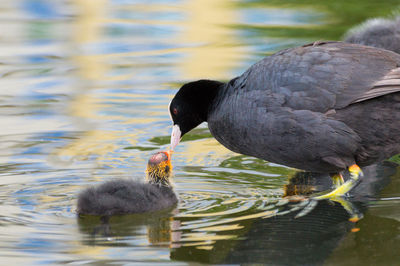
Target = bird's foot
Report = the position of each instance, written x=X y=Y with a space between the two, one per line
x=343 y=189
x=339 y=191
x=337 y=180
x=355 y=172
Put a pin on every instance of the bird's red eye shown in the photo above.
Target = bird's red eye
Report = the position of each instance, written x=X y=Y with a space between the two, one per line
x=175 y=111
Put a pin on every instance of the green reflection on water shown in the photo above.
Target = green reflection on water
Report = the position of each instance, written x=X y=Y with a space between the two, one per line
x=340 y=16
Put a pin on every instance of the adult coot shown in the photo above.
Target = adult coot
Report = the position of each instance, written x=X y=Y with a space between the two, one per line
x=322 y=107
x=127 y=196
x=377 y=32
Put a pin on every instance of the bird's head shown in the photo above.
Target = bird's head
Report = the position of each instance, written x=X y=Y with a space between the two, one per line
x=190 y=107
x=159 y=169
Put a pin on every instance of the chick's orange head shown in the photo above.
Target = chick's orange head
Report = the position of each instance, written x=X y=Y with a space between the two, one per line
x=159 y=164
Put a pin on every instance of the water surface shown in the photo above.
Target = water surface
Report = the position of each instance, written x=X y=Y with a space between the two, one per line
x=85 y=87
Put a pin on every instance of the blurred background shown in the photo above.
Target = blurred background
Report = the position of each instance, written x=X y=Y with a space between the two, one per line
x=84 y=90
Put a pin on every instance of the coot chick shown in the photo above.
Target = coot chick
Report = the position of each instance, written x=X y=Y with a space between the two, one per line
x=377 y=32
x=127 y=196
x=322 y=107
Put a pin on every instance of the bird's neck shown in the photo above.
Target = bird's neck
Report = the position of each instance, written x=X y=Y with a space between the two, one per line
x=161 y=182
x=157 y=179
x=204 y=96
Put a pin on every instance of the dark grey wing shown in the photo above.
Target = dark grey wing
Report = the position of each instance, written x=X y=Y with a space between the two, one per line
x=309 y=139
x=325 y=76
x=388 y=84
x=298 y=138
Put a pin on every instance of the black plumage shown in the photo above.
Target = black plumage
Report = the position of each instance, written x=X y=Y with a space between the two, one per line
x=377 y=32
x=122 y=196
x=321 y=107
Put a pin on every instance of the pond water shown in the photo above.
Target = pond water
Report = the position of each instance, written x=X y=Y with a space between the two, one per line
x=85 y=87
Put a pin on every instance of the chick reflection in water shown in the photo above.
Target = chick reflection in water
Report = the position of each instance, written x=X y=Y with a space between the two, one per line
x=127 y=196
x=157 y=228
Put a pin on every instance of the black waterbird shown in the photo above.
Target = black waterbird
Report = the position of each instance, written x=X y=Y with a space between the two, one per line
x=323 y=107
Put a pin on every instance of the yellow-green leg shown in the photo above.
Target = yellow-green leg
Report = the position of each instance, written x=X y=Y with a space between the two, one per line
x=337 y=180
x=343 y=188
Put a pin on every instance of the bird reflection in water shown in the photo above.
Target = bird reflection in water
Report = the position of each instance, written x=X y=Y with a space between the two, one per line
x=306 y=186
x=288 y=238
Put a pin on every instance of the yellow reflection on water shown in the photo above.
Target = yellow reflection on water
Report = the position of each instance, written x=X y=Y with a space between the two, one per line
x=196 y=151
x=206 y=28
x=190 y=237
x=89 y=144
x=222 y=228
x=88 y=29
x=91 y=252
x=208 y=48
x=91 y=68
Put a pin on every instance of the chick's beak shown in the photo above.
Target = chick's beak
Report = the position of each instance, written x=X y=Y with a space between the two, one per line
x=175 y=136
x=168 y=153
